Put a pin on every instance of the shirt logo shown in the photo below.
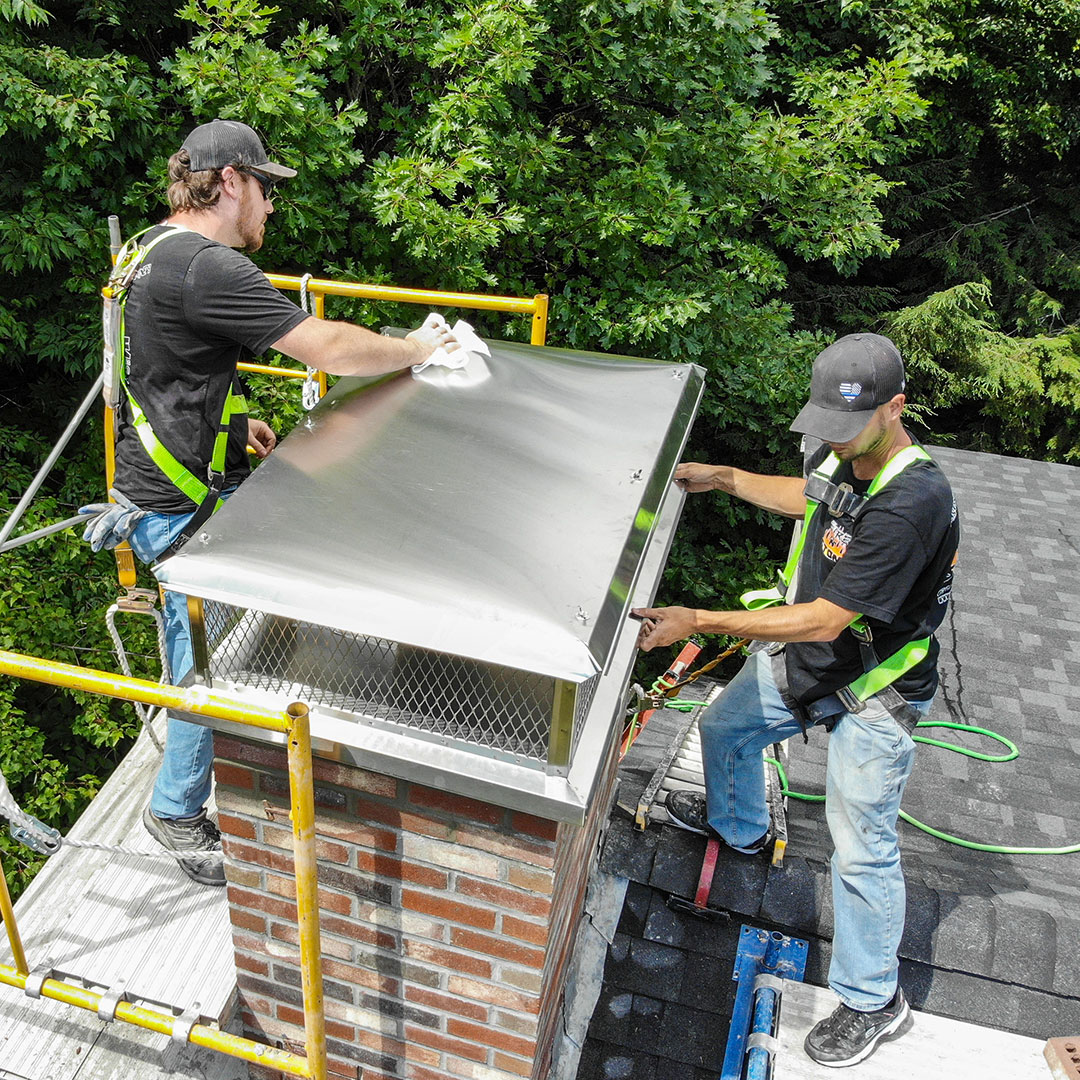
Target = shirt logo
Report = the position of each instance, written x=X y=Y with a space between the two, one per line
x=834 y=543
x=849 y=391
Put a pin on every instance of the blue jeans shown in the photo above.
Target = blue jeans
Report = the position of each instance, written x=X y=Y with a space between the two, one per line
x=870 y=760
x=184 y=779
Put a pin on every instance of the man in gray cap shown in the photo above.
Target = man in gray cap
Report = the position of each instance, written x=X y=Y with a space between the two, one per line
x=851 y=648
x=196 y=306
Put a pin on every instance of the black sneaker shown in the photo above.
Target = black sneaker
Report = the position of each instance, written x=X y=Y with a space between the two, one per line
x=847 y=1036
x=193 y=834
x=689 y=811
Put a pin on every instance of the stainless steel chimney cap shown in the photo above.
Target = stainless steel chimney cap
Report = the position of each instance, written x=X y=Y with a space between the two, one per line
x=503 y=521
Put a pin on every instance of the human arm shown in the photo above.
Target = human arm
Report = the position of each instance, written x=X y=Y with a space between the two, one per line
x=779 y=494
x=818 y=620
x=342 y=348
x=261 y=437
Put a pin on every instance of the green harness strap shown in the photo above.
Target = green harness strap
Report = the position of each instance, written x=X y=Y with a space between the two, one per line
x=887 y=671
x=235 y=404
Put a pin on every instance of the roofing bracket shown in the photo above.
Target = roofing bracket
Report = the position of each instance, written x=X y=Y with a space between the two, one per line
x=36 y=979
x=110 y=1001
x=763 y=961
x=183 y=1024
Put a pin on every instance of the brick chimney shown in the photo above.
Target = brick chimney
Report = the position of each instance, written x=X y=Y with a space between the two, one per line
x=447 y=922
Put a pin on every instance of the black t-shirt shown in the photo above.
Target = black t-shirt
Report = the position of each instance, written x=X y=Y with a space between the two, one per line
x=891 y=564
x=194 y=309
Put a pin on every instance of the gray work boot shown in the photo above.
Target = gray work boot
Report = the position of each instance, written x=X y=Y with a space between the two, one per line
x=194 y=834
x=688 y=810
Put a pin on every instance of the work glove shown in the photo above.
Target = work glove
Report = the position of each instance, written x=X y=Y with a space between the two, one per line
x=110 y=523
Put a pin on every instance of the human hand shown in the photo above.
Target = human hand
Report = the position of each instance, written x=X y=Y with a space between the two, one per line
x=112 y=523
x=692 y=476
x=433 y=334
x=261 y=437
x=664 y=626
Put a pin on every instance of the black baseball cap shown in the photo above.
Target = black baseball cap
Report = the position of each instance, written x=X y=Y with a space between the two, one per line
x=229 y=142
x=850 y=379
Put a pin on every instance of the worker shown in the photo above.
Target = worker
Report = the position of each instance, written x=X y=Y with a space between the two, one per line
x=878 y=545
x=195 y=307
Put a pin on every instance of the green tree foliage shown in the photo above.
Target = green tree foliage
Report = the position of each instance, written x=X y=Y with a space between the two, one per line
x=724 y=181
x=991 y=390
x=985 y=180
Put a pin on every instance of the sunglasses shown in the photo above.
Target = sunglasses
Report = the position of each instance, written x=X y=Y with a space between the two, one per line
x=267 y=183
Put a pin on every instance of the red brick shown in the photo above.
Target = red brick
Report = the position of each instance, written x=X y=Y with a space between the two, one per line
x=535 y=826
x=531 y=852
x=259 y=1004
x=248 y=876
x=347 y=1069
x=328 y=901
x=236 y=826
x=401 y=819
x=334 y=1028
x=244 y=898
x=415 y=1072
x=228 y=746
x=539 y=881
x=513 y=1065
x=359 y=932
x=427 y=1037
x=236 y=776
x=444 y=958
x=537 y=933
x=331 y=944
x=446 y=1003
x=459 y=806
x=249 y=963
x=494 y=993
x=503 y=897
x=349 y=776
x=489 y=1036
x=361 y=976
x=259 y=1072
x=451 y=910
x=357 y=833
x=493 y=946
x=265 y=855
x=399 y=870
x=247 y=920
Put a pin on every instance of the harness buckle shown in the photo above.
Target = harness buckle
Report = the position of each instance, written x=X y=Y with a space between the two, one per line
x=849 y=700
x=843 y=500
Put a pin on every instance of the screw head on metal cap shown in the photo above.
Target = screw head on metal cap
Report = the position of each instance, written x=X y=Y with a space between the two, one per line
x=229 y=142
x=850 y=379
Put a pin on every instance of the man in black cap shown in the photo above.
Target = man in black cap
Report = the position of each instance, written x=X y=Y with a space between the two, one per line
x=851 y=649
x=195 y=307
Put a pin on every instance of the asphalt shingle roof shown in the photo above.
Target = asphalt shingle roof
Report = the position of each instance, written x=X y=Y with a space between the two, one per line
x=992 y=938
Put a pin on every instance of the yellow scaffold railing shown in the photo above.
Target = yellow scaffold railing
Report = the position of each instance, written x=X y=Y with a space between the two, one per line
x=202 y=701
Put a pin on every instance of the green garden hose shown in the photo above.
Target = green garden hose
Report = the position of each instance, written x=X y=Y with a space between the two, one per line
x=1013 y=752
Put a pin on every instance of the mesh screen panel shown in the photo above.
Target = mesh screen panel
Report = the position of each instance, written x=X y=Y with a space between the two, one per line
x=448 y=696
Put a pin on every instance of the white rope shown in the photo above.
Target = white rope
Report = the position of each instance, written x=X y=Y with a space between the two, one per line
x=310 y=393
x=50 y=838
x=141 y=711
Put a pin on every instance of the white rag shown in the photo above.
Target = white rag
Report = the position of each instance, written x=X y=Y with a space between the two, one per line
x=464 y=366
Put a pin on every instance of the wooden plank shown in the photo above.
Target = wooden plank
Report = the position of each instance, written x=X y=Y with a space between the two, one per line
x=929 y=1047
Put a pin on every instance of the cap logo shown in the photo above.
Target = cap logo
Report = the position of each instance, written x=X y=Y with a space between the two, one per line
x=849 y=391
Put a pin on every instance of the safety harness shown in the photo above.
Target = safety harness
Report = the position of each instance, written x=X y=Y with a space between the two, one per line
x=878 y=674
x=205 y=494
